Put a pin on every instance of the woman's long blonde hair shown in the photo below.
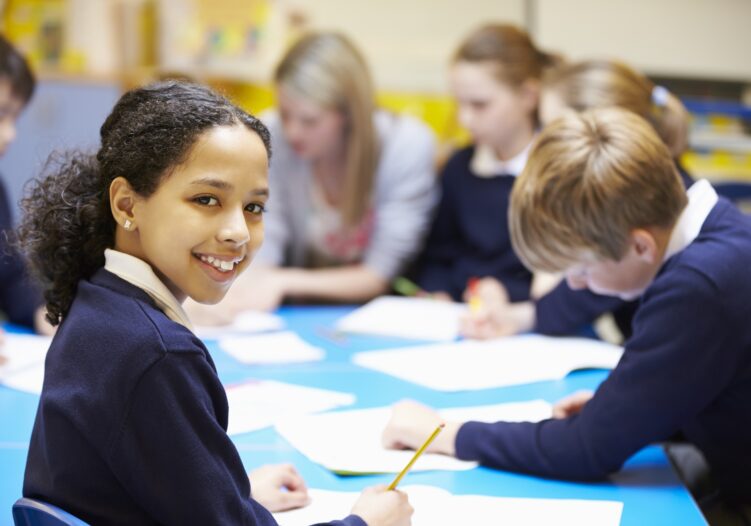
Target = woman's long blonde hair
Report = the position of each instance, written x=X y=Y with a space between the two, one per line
x=603 y=83
x=328 y=70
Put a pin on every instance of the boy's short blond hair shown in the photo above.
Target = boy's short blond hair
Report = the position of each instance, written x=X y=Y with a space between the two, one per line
x=591 y=179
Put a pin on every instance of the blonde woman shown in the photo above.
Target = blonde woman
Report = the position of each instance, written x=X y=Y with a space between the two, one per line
x=352 y=186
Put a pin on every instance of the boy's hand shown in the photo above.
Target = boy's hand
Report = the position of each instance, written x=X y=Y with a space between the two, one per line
x=571 y=404
x=411 y=423
x=378 y=506
x=278 y=487
x=493 y=315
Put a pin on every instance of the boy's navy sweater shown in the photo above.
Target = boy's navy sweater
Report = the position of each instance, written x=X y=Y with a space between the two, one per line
x=470 y=237
x=131 y=425
x=19 y=299
x=686 y=368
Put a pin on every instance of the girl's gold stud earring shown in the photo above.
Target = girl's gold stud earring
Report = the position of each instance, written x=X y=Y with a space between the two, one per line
x=127 y=224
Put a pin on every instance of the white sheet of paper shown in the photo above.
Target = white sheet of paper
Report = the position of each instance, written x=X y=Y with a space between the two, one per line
x=247 y=322
x=21 y=351
x=471 y=365
x=272 y=347
x=256 y=404
x=29 y=379
x=350 y=441
x=23 y=367
x=434 y=506
x=413 y=318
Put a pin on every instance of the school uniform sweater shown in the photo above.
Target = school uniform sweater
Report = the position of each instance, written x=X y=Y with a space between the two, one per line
x=19 y=298
x=470 y=237
x=686 y=368
x=565 y=311
x=131 y=425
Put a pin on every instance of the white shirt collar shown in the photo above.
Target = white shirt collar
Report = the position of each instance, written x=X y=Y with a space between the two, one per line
x=484 y=162
x=701 y=199
x=139 y=273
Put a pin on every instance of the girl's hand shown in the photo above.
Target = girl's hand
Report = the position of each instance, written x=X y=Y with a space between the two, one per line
x=278 y=487
x=378 y=506
x=412 y=423
x=489 y=303
x=571 y=404
x=492 y=315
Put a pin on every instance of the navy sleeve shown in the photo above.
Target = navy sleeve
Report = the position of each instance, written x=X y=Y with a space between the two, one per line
x=565 y=311
x=661 y=382
x=19 y=299
x=173 y=456
x=435 y=268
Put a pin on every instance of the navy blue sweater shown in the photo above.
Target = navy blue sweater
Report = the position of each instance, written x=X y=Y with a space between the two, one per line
x=469 y=237
x=131 y=425
x=686 y=368
x=19 y=299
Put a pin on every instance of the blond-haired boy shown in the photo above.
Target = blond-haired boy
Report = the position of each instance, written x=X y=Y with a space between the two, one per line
x=600 y=200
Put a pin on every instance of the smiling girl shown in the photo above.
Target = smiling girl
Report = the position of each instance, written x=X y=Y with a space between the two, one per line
x=131 y=425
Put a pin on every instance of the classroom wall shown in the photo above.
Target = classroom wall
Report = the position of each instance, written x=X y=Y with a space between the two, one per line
x=61 y=115
x=408 y=44
x=683 y=38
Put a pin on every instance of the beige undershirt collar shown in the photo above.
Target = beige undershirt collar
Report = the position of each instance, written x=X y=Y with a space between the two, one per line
x=139 y=273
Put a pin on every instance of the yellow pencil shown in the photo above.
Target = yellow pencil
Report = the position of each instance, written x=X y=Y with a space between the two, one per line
x=475 y=302
x=415 y=457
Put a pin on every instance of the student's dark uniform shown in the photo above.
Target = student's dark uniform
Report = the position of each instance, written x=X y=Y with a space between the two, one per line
x=686 y=368
x=131 y=425
x=470 y=237
x=566 y=311
x=19 y=299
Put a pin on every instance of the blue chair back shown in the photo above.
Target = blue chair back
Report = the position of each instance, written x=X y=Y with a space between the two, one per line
x=32 y=512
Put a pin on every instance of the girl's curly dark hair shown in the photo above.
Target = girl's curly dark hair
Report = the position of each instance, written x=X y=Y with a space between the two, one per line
x=67 y=220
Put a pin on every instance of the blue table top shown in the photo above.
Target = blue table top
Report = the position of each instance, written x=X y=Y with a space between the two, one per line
x=647 y=485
